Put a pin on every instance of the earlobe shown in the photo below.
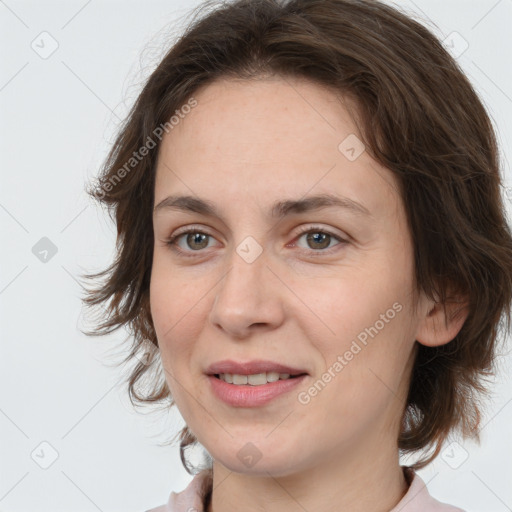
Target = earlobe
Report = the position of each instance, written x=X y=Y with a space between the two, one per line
x=439 y=325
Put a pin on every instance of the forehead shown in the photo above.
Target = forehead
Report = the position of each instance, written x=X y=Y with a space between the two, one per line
x=269 y=139
x=287 y=118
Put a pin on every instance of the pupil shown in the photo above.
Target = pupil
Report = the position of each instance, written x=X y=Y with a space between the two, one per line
x=313 y=237
x=195 y=238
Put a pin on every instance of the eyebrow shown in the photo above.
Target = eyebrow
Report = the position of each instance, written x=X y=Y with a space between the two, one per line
x=280 y=209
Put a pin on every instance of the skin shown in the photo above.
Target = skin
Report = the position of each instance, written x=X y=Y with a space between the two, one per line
x=302 y=303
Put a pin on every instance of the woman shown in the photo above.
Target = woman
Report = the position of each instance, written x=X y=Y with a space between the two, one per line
x=312 y=237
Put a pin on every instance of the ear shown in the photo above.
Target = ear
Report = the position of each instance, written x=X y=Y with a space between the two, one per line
x=437 y=326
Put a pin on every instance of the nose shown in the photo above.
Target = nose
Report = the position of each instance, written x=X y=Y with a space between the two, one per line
x=248 y=297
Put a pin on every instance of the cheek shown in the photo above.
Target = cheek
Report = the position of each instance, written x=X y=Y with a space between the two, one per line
x=174 y=311
x=341 y=305
x=173 y=296
x=175 y=321
x=364 y=319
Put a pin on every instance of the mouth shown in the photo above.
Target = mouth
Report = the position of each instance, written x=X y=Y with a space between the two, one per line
x=257 y=379
x=254 y=371
x=254 y=390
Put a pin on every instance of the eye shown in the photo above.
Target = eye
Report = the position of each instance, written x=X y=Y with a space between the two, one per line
x=319 y=239
x=196 y=239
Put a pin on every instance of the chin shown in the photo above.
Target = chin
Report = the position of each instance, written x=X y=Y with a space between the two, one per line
x=247 y=458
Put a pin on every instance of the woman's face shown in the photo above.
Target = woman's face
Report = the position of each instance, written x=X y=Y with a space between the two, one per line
x=334 y=301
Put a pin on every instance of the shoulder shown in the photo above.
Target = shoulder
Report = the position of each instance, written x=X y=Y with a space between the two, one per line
x=192 y=497
x=418 y=499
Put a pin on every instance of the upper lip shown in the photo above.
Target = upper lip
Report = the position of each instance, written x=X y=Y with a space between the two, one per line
x=251 y=367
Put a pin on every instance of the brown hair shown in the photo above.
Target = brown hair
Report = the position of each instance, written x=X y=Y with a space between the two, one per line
x=420 y=118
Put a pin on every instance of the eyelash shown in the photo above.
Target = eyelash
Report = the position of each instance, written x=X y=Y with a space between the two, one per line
x=171 y=242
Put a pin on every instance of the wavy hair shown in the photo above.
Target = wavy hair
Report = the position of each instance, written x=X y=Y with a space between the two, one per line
x=419 y=117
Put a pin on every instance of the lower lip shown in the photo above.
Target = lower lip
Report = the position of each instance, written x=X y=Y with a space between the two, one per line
x=252 y=396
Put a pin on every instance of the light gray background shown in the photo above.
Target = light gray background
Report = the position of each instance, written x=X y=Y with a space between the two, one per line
x=58 y=115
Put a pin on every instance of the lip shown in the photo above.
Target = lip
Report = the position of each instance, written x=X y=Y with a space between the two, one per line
x=252 y=396
x=251 y=367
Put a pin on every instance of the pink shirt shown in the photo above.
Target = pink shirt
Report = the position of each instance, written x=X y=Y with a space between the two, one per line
x=416 y=499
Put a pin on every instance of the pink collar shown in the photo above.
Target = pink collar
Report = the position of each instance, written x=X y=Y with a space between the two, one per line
x=416 y=499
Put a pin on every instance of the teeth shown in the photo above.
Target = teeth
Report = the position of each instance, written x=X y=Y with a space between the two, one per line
x=257 y=379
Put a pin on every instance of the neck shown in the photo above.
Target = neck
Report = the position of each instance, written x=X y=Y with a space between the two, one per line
x=368 y=481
